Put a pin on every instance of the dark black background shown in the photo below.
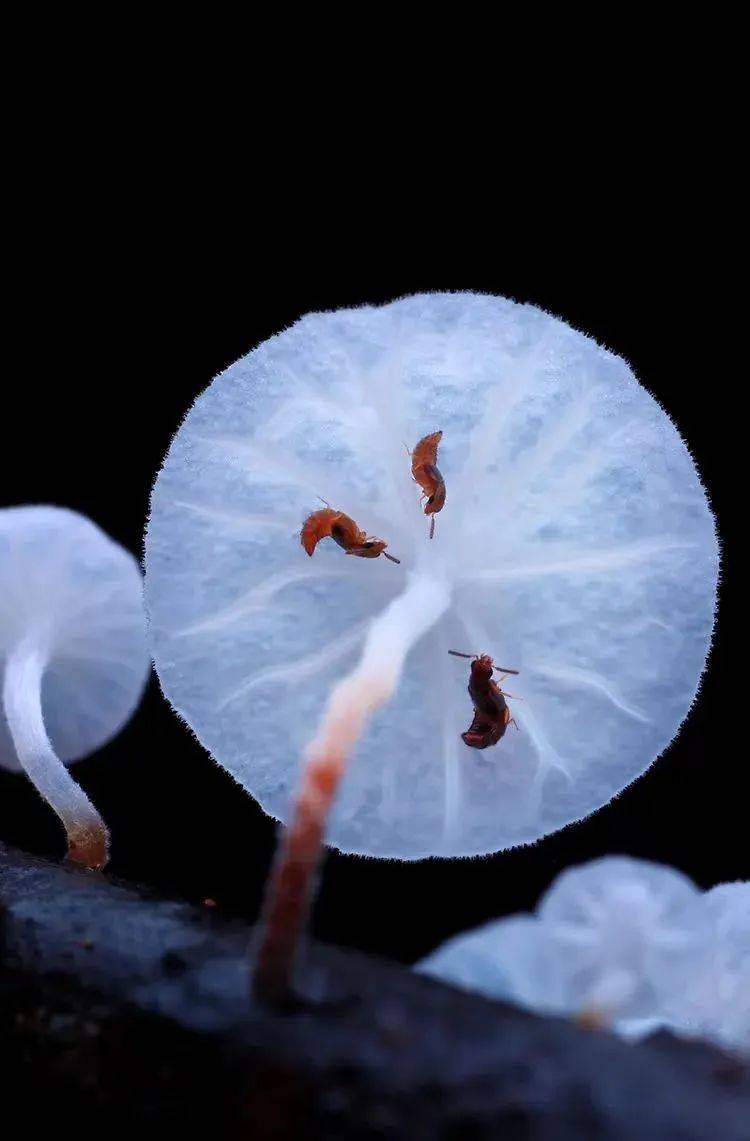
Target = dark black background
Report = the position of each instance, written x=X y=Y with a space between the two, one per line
x=132 y=310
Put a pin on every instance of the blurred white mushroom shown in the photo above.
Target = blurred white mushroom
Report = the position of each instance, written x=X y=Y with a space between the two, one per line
x=621 y=943
x=704 y=985
x=602 y=918
x=73 y=655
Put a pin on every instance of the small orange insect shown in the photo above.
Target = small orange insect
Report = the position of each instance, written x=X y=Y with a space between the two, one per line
x=335 y=524
x=425 y=471
x=491 y=714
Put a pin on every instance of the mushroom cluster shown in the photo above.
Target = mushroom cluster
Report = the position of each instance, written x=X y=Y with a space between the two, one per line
x=621 y=942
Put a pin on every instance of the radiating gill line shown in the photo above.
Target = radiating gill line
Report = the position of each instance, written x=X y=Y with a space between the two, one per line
x=549 y=758
x=307 y=666
x=589 y=679
x=300 y=386
x=567 y=559
x=652 y=620
x=575 y=475
x=239 y=520
x=260 y=595
x=275 y=464
x=556 y=436
x=571 y=481
x=483 y=440
x=384 y=398
x=452 y=791
x=349 y=413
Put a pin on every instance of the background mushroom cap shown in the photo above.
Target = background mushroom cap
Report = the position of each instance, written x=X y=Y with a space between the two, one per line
x=73 y=590
x=630 y=941
x=586 y=947
x=706 y=991
x=577 y=544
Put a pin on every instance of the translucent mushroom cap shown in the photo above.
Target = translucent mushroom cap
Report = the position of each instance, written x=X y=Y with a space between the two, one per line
x=76 y=595
x=576 y=545
x=511 y=959
x=586 y=949
x=631 y=941
x=603 y=919
x=705 y=990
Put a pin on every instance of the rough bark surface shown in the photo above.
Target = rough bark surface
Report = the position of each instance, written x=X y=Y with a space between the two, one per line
x=119 y=1010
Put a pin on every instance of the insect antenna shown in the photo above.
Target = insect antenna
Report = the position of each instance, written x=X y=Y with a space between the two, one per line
x=458 y=654
x=391 y=557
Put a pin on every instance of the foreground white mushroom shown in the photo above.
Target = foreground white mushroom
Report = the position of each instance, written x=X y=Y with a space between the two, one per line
x=576 y=545
x=73 y=656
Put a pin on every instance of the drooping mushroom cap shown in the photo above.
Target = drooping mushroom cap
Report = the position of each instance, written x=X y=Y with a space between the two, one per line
x=576 y=545
x=77 y=595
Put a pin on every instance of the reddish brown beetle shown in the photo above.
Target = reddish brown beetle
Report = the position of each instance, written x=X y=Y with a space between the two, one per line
x=425 y=471
x=329 y=523
x=491 y=714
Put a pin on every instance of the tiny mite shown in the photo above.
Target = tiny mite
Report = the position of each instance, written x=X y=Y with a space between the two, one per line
x=491 y=714
x=425 y=471
x=329 y=523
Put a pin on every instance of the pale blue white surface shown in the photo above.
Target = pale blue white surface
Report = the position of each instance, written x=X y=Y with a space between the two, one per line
x=576 y=545
x=74 y=598
x=705 y=990
x=633 y=942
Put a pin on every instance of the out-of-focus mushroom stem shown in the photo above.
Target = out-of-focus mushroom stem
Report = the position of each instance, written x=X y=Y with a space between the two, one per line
x=22 y=701
x=351 y=704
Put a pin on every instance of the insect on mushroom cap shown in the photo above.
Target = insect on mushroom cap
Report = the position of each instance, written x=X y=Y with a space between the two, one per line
x=76 y=595
x=576 y=544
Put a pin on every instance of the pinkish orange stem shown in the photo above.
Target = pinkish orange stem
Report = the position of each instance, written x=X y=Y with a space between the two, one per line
x=293 y=879
x=351 y=704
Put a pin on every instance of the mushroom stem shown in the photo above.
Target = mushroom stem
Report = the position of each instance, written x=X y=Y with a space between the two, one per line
x=22 y=700
x=352 y=702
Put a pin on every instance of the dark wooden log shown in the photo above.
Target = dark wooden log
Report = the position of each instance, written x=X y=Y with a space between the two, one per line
x=122 y=1011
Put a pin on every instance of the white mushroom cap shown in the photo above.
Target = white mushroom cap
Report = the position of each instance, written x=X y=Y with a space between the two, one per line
x=576 y=545
x=511 y=959
x=74 y=595
x=585 y=949
x=632 y=942
x=603 y=918
x=705 y=991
